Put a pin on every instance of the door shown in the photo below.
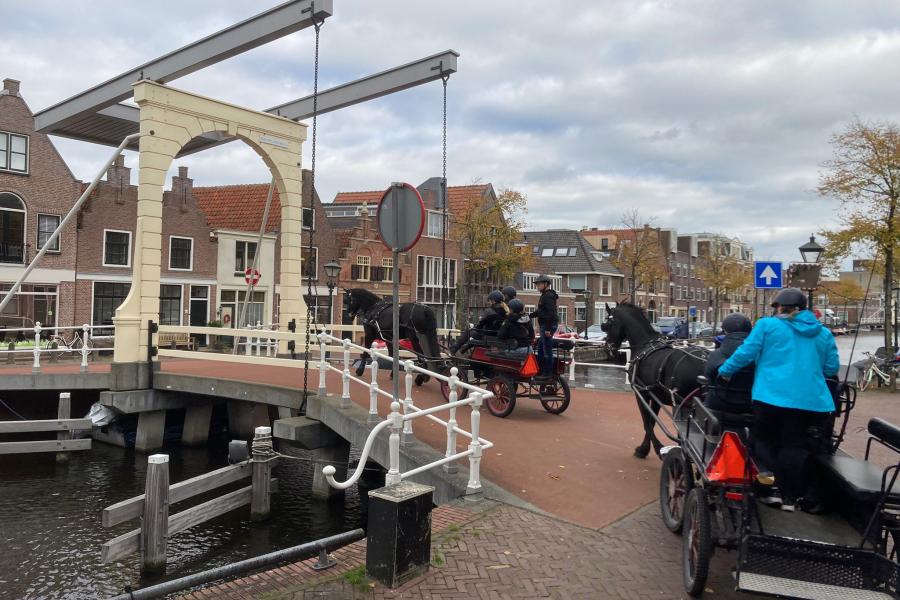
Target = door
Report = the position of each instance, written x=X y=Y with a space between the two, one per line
x=199 y=311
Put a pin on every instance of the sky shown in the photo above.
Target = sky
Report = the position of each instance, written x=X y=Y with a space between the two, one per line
x=703 y=115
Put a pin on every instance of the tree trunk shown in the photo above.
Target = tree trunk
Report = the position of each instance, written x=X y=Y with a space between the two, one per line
x=889 y=278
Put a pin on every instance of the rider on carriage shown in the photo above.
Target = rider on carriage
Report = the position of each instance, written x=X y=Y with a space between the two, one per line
x=548 y=320
x=734 y=396
x=488 y=323
x=517 y=326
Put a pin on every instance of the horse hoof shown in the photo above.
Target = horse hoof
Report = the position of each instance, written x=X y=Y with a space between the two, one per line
x=641 y=452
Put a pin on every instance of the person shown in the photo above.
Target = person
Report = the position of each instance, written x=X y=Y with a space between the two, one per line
x=509 y=292
x=517 y=326
x=548 y=321
x=793 y=353
x=734 y=396
x=488 y=323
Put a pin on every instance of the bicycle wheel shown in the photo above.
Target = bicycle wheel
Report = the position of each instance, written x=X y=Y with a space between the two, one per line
x=863 y=380
x=80 y=343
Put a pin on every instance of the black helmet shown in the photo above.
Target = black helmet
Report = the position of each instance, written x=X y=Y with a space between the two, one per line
x=543 y=279
x=496 y=296
x=790 y=297
x=736 y=322
x=516 y=306
x=509 y=292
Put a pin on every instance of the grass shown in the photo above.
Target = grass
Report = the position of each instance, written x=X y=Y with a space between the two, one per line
x=357 y=578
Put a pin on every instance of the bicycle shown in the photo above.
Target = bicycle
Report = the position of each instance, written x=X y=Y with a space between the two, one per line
x=878 y=368
x=62 y=345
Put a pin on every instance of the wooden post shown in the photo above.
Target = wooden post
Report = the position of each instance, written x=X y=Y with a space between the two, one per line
x=64 y=412
x=261 y=474
x=155 y=522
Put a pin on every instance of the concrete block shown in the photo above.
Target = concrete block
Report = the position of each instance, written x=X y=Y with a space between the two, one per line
x=151 y=427
x=139 y=401
x=129 y=376
x=398 y=547
x=337 y=455
x=306 y=433
x=196 y=424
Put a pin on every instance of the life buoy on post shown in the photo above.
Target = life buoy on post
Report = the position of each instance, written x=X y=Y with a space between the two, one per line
x=251 y=276
x=226 y=319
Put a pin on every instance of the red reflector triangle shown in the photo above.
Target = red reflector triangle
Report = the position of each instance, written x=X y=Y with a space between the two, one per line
x=729 y=461
x=530 y=368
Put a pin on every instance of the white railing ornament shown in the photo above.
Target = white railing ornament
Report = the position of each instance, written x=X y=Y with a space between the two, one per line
x=322 y=367
x=474 y=485
x=407 y=401
x=396 y=419
x=36 y=367
x=85 y=332
x=373 y=389
x=345 y=377
x=451 y=422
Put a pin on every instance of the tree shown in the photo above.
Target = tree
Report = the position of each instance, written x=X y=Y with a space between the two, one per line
x=721 y=271
x=639 y=255
x=864 y=176
x=488 y=232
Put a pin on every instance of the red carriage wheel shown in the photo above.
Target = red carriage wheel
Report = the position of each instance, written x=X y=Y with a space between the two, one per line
x=675 y=482
x=555 y=396
x=697 y=544
x=504 y=399
x=461 y=392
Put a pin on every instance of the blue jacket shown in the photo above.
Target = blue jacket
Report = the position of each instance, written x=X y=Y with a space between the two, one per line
x=792 y=358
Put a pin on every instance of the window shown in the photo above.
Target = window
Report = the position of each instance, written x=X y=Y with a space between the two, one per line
x=563 y=312
x=343 y=212
x=622 y=286
x=362 y=268
x=181 y=253
x=13 y=152
x=580 y=311
x=528 y=281
x=116 y=248
x=12 y=228
x=170 y=305
x=535 y=249
x=233 y=301
x=555 y=282
x=606 y=286
x=107 y=298
x=547 y=252
x=47 y=224
x=311 y=262
x=434 y=226
x=577 y=282
x=309 y=218
x=572 y=251
x=604 y=243
x=244 y=253
x=529 y=308
x=387 y=269
x=562 y=252
x=428 y=279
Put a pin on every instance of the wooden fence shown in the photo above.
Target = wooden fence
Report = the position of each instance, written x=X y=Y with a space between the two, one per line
x=63 y=424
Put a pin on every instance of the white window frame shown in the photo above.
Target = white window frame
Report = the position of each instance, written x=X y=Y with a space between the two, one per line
x=191 y=262
x=127 y=264
x=580 y=310
x=37 y=231
x=248 y=262
x=8 y=168
x=582 y=278
x=430 y=230
x=546 y=252
x=528 y=281
x=364 y=261
x=180 y=301
x=555 y=282
x=562 y=312
x=605 y=286
x=387 y=266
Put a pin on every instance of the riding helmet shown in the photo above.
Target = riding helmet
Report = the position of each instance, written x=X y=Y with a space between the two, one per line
x=509 y=292
x=790 y=297
x=543 y=279
x=736 y=322
x=495 y=296
x=516 y=306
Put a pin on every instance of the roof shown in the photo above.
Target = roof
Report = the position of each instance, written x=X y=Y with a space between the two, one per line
x=459 y=197
x=372 y=197
x=582 y=262
x=238 y=207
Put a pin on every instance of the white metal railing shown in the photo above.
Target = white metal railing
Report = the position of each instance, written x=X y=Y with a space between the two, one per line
x=44 y=345
x=401 y=422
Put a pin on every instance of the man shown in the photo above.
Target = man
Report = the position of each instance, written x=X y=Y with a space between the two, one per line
x=548 y=321
x=793 y=353
x=517 y=326
x=733 y=396
x=488 y=323
x=509 y=292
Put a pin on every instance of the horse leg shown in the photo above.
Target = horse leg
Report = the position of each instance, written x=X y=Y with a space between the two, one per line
x=421 y=378
x=362 y=358
x=657 y=445
x=643 y=449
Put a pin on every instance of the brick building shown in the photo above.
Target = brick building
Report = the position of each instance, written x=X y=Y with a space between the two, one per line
x=37 y=189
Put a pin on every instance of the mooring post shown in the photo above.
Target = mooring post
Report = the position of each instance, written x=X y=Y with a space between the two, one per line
x=261 y=474
x=85 y=330
x=373 y=389
x=64 y=412
x=36 y=367
x=451 y=422
x=345 y=377
x=398 y=546
x=155 y=522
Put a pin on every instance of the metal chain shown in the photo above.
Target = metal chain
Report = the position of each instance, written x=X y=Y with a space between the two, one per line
x=310 y=314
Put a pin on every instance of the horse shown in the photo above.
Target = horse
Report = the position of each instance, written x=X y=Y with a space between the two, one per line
x=418 y=324
x=658 y=370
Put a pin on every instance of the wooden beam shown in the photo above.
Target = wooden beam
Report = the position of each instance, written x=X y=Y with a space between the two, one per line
x=44 y=446
x=154 y=524
x=45 y=425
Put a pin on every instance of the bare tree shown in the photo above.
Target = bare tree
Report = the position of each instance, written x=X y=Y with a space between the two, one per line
x=639 y=254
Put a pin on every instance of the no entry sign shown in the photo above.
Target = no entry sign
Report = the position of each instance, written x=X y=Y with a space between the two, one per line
x=252 y=276
x=401 y=217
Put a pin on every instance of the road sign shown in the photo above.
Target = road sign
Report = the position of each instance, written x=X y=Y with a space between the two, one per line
x=251 y=275
x=401 y=217
x=767 y=275
x=692 y=311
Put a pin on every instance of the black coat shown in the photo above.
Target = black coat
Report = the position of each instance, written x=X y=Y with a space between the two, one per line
x=519 y=328
x=735 y=395
x=546 y=311
x=492 y=318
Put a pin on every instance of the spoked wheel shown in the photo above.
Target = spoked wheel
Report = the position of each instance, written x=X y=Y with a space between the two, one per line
x=862 y=380
x=696 y=542
x=81 y=343
x=675 y=482
x=461 y=392
x=555 y=395
x=504 y=399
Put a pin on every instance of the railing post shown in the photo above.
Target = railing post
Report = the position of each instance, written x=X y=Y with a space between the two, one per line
x=373 y=387
x=572 y=368
x=451 y=422
x=393 y=474
x=248 y=349
x=627 y=352
x=345 y=377
x=323 y=367
x=474 y=485
x=155 y=522
x=85 y=329
x=36 y=367
x=407 y=401
x=261 y=474
x=258 y=339
x=272 y=345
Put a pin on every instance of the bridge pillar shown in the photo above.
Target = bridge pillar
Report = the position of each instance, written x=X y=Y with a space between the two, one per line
x=196 y=424
x=150 y=431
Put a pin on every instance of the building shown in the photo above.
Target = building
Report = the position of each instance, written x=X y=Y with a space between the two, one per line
x=727 y=268
x=686 y=286
x=37 y=190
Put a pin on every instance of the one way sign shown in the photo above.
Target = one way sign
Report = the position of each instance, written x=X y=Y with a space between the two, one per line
x=768 y=275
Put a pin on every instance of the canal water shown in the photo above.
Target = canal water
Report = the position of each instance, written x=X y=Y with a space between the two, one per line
x=50 y=532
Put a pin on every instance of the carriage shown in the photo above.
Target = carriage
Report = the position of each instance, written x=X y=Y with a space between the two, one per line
x=848 y=549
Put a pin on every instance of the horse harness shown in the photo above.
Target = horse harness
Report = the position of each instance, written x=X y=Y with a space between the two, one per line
x=371 y=316
x=655 y=346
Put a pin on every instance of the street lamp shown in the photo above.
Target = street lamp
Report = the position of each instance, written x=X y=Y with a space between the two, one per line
x=812 y=255
x=587 y=308
x=332 y=270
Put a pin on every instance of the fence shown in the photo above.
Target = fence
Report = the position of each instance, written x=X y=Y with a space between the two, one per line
x=63 y=424
x=43 y=342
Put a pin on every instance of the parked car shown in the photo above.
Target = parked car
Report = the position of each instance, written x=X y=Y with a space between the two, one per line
x=667 y=325
x=702 y=330
x=838 y=329
x=594 y=333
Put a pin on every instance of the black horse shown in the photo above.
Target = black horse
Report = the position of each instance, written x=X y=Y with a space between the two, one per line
x=418 y=324
x=662 y=373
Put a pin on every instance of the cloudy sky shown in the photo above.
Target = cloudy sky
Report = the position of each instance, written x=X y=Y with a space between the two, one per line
x=704 y=115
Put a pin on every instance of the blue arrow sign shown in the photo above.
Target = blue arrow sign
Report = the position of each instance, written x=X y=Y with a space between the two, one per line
x=767 y=275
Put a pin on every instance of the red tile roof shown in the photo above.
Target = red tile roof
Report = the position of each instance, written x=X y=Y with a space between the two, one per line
x=238 y=207
x=358 y=197
x=459 y=197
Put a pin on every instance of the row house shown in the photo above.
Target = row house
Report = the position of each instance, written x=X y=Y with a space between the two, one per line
x=742 y=299
x=687 y=289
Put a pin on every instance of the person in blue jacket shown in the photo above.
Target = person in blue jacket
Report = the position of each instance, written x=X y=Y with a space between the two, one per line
x=793 y=354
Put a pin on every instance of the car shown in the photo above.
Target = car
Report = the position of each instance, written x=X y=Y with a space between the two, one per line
x=563 y=332
x=667 y=325
x=702 y=330
x=594 y=333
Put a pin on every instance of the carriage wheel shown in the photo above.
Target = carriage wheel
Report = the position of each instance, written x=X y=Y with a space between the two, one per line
x=504 y=399
x=555 y=396
x=675 y=482
x=462 y=375
x=696 y=542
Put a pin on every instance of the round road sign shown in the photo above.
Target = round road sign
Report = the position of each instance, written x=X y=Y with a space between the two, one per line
x=252 y=275
x=401 y=217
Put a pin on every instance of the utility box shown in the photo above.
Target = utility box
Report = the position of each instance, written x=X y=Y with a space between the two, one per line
x=398 y=547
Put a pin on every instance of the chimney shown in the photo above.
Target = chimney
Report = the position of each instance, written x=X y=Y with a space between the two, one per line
x=11 y=86
x=119 y=177
x=182 y=187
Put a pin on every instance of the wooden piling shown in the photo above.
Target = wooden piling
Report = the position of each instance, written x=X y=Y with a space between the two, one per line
x=155 y=523
x=64 y=411
x=261 y=486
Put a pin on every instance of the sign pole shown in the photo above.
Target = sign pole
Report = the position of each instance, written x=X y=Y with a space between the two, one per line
x=395 y=326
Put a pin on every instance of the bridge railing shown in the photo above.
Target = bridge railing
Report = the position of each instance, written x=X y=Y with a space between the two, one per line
x=401 y=423
x=53 y=341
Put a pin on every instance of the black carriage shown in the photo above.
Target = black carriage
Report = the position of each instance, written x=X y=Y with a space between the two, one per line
x=848 y=549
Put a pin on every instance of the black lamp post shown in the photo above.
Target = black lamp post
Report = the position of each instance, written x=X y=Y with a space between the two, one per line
x=332 y=270
x=812 y=254
x=587 y=308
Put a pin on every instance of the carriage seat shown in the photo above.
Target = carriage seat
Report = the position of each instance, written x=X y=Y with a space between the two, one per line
x=859 y=478
x=729 y=421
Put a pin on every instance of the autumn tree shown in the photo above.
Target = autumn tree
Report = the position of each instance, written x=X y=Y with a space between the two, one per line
x=488 y=230
x=864 y=176
x=639 y=255
x=721 y=271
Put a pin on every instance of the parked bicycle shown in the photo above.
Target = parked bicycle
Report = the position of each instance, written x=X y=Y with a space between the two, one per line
x=61 y=344
x=878 y=369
